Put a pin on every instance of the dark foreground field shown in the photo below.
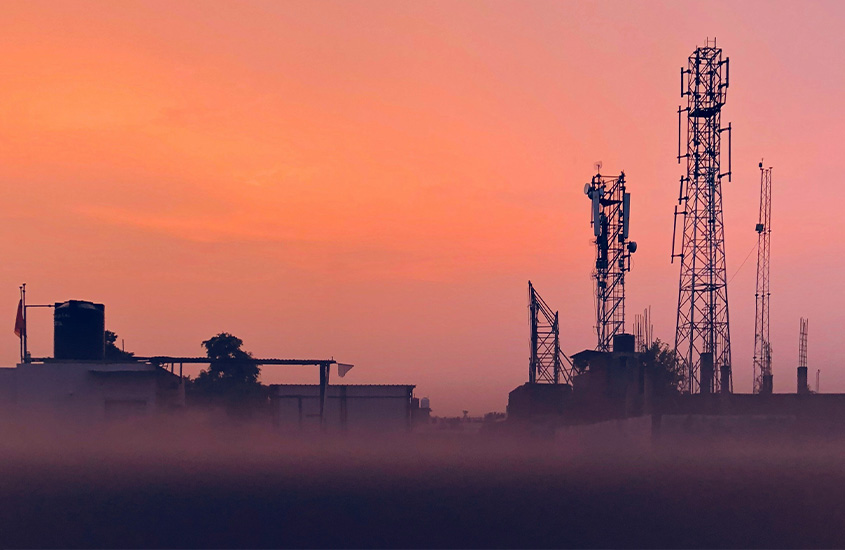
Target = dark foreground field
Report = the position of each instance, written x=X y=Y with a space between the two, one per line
x=185 y=487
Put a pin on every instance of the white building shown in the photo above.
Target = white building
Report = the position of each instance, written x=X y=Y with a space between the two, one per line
x=88 y=390
x=371 y=408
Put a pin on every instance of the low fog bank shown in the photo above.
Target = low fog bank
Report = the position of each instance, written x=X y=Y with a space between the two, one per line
x=199 y=481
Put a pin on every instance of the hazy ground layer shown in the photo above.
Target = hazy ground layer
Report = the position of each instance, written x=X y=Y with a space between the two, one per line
x=195 y=484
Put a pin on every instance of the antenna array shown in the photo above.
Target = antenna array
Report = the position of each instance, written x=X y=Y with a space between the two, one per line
x=610 y=218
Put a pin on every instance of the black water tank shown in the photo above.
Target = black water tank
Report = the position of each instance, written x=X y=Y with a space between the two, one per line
x=623 y=342
x=79 y=331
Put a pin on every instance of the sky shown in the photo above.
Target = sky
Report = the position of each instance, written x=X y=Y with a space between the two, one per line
x=378 y=181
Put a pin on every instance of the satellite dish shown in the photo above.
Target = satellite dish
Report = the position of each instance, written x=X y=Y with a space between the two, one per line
x=587 y=189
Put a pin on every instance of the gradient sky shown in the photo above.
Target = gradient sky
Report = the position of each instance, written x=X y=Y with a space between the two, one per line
x=377 y=181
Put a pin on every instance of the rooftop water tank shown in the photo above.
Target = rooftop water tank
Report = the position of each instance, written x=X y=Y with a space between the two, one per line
x=79 y=331
x=623 y=343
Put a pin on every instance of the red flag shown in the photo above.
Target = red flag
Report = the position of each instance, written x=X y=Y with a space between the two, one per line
x=20 y=323
x=343 y=368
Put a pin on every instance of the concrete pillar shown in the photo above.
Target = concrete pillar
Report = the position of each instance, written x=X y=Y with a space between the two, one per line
x=768 y=384
x=648 y=391
x=632 y=386
x=705 y=373
x=802 y=381
x=725 y=377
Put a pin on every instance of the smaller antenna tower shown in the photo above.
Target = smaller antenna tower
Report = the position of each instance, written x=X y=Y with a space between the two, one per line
x=610 y=218
x=763 y=382
x=803 y=386
x=548 y=364
x=802 y=343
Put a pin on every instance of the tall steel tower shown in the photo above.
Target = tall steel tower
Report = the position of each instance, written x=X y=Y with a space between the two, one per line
x=611 y=212
x=762 y=344
x=702 y=336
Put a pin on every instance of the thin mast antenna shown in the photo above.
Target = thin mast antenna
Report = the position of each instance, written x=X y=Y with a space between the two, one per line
x=763 y=381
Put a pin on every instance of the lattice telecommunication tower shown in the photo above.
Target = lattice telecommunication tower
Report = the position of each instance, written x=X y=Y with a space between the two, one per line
x=702 y=336
x=548 y=364
x=611 y=213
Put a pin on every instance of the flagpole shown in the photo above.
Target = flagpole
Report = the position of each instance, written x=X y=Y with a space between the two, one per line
x=23 y=340
x=20 y=305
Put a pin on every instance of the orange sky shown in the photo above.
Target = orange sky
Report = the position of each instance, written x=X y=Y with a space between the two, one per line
x=377 y=181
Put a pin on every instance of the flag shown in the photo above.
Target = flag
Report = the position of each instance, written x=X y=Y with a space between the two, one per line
x=343 y=368
x=20 y=323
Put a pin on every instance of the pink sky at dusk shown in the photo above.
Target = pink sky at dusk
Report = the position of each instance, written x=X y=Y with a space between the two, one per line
x=377 y=181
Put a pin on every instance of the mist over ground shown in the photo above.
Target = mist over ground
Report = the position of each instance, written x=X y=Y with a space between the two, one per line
x=194 y=482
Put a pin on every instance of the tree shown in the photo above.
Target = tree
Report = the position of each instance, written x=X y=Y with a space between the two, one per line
x=231 y=379
x=230 y=365
x=114 y=353
x=666 y=372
